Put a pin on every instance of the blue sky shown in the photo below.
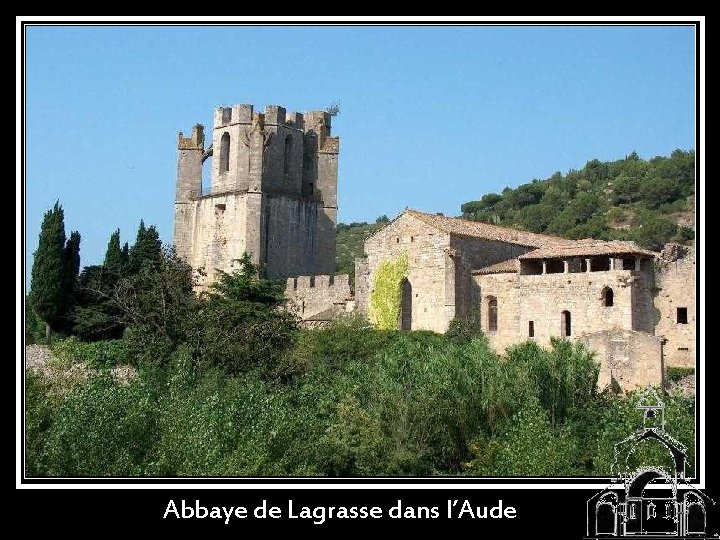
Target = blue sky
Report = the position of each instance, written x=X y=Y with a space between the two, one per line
x=430 y=117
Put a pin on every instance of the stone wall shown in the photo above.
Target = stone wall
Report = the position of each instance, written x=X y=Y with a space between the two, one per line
x=542 y=299
x=675 y=281
x=630 y=359
x=311 y=295
x=273 y=193
x=473 y=253
x=428 y=262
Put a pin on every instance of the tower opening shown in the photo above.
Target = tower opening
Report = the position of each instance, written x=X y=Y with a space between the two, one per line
x=288 y=154
x=225 y=152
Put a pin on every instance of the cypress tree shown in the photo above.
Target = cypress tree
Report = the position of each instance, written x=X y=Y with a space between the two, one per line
x=147 y=248
x=125 y=255
x=48 y=283
x=72 y=266
x=114 y=255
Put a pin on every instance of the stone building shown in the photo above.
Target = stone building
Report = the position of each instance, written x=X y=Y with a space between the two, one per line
x=273 y=193
x=634 y=307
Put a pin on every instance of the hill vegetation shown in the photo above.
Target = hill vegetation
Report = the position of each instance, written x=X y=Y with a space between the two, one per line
x=648 y=201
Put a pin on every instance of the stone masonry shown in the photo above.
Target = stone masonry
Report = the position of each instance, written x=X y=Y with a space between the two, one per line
x=273 y=193
x=633 y=307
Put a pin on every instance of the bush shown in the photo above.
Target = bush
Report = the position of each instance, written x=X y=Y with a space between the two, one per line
x=464 y=329
x=97 y=354
x=103 y=428
x=564 y=377
x=675 y=373
x=531 y=447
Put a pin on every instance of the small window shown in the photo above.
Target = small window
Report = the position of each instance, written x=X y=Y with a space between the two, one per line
x=608 y=297
x=682 y=317
x=531 y=329
x=565 y=324
x=412 y=238
x=397 y=239
x=492 y=314
x=683 y=348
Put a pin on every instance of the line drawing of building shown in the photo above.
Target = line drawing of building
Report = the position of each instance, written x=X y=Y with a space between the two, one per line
x=653 y=502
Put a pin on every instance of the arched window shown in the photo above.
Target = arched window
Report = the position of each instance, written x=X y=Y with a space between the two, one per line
x=608 y=297
x=225 y=152
x=288 y=153
x=565 y=324
x=492 y=313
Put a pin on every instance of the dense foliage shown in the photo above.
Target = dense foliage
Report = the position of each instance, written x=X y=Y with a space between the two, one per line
x=349 y=241
x=627 y=199
x=359 y=402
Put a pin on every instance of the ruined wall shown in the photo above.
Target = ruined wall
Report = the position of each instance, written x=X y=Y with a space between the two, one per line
x=631 y=358
x=429 y=266
x=675 y=281
x=543 y=298
x=311 y=295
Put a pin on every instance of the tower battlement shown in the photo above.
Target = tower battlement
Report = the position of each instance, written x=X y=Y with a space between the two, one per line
x=272 y=192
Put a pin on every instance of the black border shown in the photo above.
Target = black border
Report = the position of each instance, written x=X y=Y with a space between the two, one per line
x=461 y=481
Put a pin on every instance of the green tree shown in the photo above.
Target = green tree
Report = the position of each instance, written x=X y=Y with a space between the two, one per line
x=55 y=269
x=114 y=254
x=653 y=231
x=238 y=326
x=147 y=249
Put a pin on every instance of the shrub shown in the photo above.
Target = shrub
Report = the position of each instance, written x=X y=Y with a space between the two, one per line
x=102 y=429
x=675 y=373
x=97 y=354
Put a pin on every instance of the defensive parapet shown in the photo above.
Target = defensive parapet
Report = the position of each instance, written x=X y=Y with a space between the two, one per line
x=310 y=296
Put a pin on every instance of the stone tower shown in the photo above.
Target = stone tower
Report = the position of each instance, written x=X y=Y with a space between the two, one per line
x=273 y=193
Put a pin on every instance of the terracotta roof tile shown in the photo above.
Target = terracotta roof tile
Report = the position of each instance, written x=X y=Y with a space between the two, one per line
x=505 y=267
x=587 y=247
x=477 y=229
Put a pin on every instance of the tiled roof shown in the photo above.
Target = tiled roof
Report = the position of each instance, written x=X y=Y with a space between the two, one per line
x=476 y=229
x=504 y=267
x=587 y=248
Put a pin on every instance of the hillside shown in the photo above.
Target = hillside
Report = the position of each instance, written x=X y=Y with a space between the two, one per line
x=649 y=201
x=350 y=240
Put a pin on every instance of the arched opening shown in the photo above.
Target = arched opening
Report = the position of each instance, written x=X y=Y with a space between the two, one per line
x=608 y=297
x=695 y=514
x=225 y=152
x=288 y=154
x=406 y=305
x=565 y=324
x=492 y=313
x=605 y=522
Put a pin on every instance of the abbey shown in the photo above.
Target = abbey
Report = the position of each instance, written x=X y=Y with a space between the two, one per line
x=273 y=195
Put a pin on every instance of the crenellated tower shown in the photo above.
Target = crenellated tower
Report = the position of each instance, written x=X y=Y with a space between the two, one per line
x=273 y=192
